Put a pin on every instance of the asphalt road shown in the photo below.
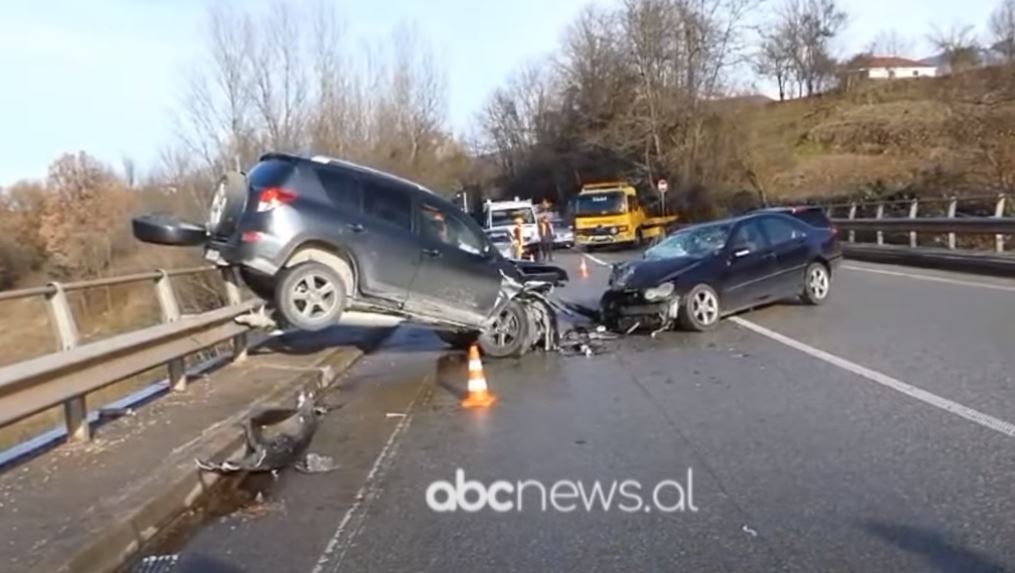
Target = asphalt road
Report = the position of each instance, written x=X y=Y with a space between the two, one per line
x=865 y=435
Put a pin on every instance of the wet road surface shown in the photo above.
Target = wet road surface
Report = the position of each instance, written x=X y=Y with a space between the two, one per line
x=784 y=460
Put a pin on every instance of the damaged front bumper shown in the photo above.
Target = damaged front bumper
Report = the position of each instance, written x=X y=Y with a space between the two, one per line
x=625 y=310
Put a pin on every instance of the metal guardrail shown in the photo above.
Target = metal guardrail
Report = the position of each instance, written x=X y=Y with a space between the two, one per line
x=68 y=375
x=950 y=225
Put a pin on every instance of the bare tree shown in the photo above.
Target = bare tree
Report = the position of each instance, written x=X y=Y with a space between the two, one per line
x=958 y=45
x=1002 y=29
x=517 y=117
x=216 y=121
x=775 y=58
x=812 y=25
x=279 y=86
x=890 y=43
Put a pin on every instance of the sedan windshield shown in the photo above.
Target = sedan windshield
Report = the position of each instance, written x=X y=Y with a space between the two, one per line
x=694 y=242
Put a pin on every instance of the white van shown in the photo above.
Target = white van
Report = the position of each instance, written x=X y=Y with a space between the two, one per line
x=501 y=215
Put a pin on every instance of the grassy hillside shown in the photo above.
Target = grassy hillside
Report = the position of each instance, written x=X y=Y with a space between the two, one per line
x=921 y=136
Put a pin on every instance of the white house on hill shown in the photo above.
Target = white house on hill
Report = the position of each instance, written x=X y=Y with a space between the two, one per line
x=889 y=68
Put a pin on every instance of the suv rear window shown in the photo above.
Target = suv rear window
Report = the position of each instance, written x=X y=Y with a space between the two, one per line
x=270 y=173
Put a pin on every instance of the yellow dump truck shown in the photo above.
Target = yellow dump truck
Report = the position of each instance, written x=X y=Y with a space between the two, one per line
x=613 y=214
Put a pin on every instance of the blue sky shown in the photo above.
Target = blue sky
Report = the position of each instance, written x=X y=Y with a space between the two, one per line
x=105 y=76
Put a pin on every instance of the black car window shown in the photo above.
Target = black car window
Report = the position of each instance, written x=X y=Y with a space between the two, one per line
x=270 y=173
x=781 y=230
x=749 y=237
x=388 y=203
x=446 y=227
x=814 y=218
x=343 y=189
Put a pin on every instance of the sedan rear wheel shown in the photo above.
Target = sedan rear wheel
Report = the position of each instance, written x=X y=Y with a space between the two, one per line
x=508 y=336
x=817 y=284
x=700 y=310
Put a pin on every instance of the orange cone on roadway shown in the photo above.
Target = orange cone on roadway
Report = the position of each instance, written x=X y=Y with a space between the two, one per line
x=479 y=395
x=583 y=269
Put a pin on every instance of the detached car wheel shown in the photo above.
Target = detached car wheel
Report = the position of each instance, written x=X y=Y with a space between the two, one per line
x=311 y=296
x=817 y=284
x=508 y=336
x=700 y=309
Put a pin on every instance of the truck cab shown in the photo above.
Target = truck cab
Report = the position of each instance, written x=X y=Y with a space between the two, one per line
x=613 y=214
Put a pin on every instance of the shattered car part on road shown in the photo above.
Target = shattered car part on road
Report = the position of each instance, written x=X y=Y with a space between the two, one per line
x=278 y=438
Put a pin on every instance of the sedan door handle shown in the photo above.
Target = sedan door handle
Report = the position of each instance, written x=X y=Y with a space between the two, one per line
x=432 y=252
x=356 y=227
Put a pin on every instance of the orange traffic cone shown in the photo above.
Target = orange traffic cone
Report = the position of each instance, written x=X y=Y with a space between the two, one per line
x=479 y=396
x=583 y=269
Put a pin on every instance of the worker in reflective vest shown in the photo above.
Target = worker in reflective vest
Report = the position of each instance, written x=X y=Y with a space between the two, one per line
x=518 y=239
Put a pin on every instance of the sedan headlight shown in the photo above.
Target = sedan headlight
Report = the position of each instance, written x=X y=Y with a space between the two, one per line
x=660 y=292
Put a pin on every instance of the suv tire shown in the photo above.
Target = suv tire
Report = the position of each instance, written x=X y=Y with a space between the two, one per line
x=310 y=296
x=508 y=336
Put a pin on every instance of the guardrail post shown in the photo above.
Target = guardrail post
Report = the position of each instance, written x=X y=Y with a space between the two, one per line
x=232 y=278
x=880 y=215
x=914 y=206
x=75 y=410
x=852 y=215
x=171 y=313
x=999 y=212
x=953 y=204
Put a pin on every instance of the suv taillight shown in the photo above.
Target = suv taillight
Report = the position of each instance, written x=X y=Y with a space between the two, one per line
x=273 y=197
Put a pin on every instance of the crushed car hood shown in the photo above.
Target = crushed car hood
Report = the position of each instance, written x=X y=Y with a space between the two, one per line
x=646 y=273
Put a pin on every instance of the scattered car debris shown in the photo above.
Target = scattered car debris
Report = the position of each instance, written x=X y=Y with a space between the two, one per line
x=316 y=464
x=276 y=438
x=157 y=564
x=749 y=531
x=115 y=413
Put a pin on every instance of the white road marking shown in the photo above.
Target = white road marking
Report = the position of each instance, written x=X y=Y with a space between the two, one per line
x=338 y=545
x=970 y=414
x=597 y=260
x=931 y=278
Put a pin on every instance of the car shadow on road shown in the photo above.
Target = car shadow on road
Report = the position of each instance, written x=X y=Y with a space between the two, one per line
x=940 y=552
x=301 y=342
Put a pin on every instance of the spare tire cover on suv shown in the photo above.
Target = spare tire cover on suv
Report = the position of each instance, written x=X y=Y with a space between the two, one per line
x=227 y=203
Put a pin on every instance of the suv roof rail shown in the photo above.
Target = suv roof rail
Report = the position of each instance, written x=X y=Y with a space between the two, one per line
x=328 y=160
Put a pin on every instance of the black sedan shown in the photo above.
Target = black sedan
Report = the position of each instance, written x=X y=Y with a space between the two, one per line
x=702 y=273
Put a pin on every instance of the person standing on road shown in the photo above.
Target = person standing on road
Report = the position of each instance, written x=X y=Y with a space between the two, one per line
x=518 y=239
x=545 y=238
